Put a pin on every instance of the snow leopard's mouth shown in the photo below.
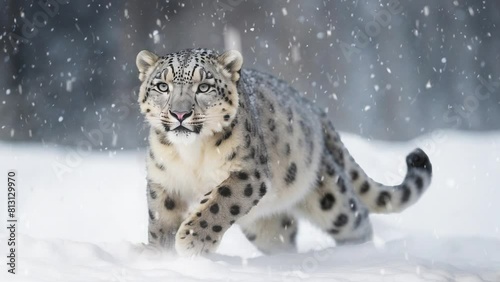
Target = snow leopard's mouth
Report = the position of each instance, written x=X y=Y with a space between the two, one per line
x=185 y=130
x=182 y=129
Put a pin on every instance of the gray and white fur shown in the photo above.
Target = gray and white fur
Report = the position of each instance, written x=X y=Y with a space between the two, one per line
x=231 y=145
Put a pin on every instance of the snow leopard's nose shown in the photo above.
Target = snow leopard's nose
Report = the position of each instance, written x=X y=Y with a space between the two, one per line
x=180 y=116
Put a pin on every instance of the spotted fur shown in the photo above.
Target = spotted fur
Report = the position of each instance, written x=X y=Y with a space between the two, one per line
x=231 y=145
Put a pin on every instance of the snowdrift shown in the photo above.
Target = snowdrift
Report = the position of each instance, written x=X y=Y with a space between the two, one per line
x=82 y=217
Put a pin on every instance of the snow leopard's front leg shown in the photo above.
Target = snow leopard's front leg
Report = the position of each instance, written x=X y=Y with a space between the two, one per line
x=202 y=231
x=165 y=216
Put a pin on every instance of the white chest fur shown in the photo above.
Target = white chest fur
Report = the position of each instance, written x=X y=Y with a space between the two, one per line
x=190 y=170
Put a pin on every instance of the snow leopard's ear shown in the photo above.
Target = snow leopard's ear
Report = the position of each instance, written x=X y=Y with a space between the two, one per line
x=144 y=61
x=231 y=61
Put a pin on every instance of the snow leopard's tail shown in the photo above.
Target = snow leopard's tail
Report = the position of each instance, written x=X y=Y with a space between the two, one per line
x=380 y=198
x=377 y=197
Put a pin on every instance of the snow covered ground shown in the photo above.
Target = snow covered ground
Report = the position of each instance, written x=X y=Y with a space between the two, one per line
x=86 y=223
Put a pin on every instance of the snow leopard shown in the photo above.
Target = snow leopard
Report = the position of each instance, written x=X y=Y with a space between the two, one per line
x=230 y=145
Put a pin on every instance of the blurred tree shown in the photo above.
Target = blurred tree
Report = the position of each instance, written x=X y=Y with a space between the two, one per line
x=415 y=70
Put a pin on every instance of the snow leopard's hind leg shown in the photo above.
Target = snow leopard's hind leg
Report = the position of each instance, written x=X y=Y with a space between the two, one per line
x=334 y=207
x=273 y=234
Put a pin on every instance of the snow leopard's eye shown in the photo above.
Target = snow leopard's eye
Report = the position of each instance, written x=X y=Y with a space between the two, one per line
x=162 y=86
x=203 y=88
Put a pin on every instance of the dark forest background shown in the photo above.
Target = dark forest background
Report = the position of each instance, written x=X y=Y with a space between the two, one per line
x=385 y=69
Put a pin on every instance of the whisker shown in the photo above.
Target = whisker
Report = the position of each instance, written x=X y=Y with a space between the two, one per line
x=166 y=102
x=215 y=116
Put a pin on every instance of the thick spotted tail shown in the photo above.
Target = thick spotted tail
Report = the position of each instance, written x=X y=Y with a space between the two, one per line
x=389 y=199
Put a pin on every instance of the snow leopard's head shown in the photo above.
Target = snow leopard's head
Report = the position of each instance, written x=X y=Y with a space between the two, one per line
x=190 y=93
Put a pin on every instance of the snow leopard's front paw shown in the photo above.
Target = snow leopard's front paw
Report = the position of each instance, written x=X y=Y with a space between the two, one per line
x=196 y=237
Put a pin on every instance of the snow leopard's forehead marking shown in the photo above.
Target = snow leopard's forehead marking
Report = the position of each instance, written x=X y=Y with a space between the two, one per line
x=188 y=66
